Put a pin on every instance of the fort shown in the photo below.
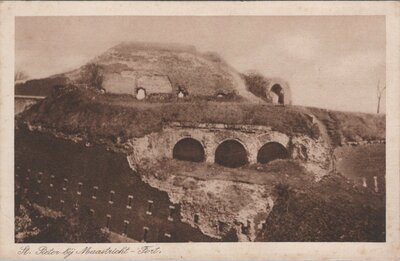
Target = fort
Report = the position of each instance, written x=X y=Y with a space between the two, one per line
x=165 y=144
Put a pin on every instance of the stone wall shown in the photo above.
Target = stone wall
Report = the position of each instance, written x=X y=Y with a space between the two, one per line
x=129 y=82
x=115 y=83
x=160 y=145
x=154 y=84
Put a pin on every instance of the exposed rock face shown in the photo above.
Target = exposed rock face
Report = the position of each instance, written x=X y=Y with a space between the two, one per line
x=129 y=83
x=155 y=84
x=316 y=154
x=218 y=207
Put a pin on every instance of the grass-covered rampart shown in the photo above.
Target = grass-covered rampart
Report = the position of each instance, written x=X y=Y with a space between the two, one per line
x=351 y=126
x=110 y=116
x=84 y=111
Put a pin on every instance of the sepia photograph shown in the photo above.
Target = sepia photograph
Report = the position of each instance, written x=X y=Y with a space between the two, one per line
x=192 y=130
x=200 y=129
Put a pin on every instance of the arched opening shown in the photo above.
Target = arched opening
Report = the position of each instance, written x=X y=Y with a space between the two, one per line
x=182 y=92
x=141 y=94
x=181 y=95
x=271 y=151
x=188 y=149
x=231 y=153
x=278 y=94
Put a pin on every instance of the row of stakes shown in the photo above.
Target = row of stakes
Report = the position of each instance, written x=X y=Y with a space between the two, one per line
x=364 y=183
x=111 y=201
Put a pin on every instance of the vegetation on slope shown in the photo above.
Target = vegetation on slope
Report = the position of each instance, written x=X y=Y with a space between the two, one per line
x=39 y=87
x=363 y=164
x=81 y=111
x=257 y=84
x=331 y=210
x=346 y=126
x=77 y=110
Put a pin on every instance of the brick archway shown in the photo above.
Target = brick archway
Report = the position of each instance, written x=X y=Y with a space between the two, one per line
x=271 y=151
x=231 y=153
x=189 y=149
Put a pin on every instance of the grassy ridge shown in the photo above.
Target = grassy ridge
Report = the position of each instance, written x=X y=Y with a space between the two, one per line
x=346 y=126
x=39 y=87
x=84 y=111
x=74 y=110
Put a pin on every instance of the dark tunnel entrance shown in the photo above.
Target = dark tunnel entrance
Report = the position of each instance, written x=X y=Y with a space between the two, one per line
x=189 y=149
x=231 y=153
x=271 y=151
x=278 y=90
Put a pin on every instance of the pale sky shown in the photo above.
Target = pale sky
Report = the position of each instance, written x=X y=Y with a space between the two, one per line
x=332 y=62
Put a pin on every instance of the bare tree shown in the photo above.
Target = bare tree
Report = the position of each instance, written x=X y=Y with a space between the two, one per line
x=20 y=76
x=379 y=93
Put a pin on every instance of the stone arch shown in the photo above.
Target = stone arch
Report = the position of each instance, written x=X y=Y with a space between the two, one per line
x=182 y=92
x=272 y=151
x=189 y=149
x=231 y=153
x=278 y=91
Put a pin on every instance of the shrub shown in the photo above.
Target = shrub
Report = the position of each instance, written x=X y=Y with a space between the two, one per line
x=257 y=84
